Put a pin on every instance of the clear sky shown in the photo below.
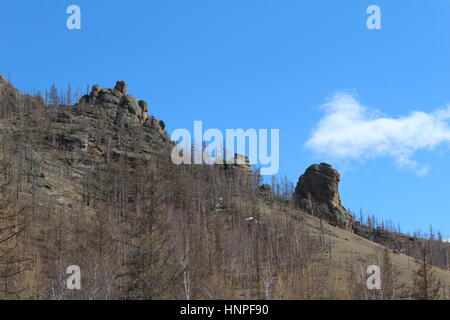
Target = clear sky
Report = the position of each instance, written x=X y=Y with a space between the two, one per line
x=271 y=64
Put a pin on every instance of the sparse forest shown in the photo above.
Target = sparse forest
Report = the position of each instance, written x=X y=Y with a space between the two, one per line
x=76 y=189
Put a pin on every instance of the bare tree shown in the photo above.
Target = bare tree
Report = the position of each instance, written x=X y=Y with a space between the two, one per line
x=426 y=285
x=13 y=262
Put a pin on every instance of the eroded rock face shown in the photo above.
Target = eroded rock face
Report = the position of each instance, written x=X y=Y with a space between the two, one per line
x=317 y=192
x=116 y=104
x=109 y=121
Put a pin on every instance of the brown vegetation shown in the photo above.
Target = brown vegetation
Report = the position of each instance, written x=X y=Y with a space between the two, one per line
x=77 y=189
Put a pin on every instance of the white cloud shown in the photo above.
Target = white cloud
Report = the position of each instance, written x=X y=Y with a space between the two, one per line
x=351 y=131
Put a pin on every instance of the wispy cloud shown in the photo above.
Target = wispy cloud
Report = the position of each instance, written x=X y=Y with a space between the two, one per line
x=351 y=131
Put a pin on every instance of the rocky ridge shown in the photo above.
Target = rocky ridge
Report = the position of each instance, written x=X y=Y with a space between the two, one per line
x=120 y=107
x=68 y=145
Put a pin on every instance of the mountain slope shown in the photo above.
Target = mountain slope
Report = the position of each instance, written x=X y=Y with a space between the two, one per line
x=92 y=185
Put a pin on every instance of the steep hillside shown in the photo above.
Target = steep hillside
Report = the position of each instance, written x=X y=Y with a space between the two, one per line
x=92 y=185
x=345 y=254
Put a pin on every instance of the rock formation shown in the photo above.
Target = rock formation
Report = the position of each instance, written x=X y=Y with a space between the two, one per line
x=119 y=106
x=242 y=163
x=121 y=86
x=317 y=192
x=266 y=188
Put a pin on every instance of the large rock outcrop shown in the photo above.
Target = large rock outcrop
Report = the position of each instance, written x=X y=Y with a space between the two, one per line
x=117 y=105
x=124 y=115
x=317 y=192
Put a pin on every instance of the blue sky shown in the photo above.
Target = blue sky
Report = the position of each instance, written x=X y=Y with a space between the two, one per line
x=266 y=64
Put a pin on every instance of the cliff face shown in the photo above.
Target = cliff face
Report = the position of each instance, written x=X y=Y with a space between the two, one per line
x=119 y=106
x=110 y=119
x=317 y=192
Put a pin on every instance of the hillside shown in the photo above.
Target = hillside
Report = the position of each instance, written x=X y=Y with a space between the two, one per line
x=92 y=185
